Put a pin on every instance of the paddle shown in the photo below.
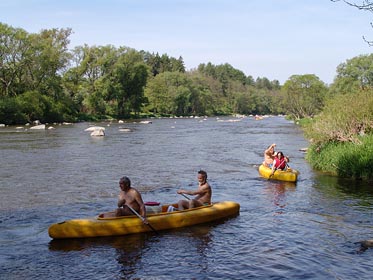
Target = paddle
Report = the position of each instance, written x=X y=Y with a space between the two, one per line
x=287 y=166
x=185 y=196
x=270 y=176
x=141 y=218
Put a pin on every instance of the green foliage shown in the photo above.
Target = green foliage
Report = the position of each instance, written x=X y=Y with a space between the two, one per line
x=33 y=104
x=171 y=93
x=11 y=112
x=342 y=134
x=160 y=64
x=108 y=81
x=15 y=54
x=223 y=73
x=343 y=119
x=244 y=103
x=353 y=75
x=344 y=159
x=303 y=96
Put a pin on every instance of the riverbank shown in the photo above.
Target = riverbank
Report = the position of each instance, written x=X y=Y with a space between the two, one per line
x=348 y=160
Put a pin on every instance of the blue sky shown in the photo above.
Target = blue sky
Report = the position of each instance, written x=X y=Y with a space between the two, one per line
x=262 y=38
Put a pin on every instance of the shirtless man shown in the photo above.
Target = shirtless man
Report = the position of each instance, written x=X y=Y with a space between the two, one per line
x=203 y=193
x=269 y=156
x=129 y=196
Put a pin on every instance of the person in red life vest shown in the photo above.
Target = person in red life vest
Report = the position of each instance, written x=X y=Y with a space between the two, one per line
x=279 y=162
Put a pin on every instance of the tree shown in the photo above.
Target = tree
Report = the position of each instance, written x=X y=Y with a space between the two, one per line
x=159 y=64
x=127 y=81
x=353 y=75
x=365 y=5
x=30 y=73
x=49 y=59
x=303 y=95
x=344 y=118
x=85 y=81
x=169 y=93
x=14 y=55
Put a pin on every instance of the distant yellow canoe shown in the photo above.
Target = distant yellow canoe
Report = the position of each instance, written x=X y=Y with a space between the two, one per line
x=107 y=225
x=290 y=175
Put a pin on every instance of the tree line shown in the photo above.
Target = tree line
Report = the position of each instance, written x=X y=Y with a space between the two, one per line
x=41 y=79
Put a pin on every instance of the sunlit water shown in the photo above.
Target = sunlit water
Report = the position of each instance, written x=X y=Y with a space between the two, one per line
x=284 y=231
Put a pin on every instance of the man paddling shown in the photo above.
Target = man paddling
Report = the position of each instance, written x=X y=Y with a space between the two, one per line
x=203 y=193
x=129 y=198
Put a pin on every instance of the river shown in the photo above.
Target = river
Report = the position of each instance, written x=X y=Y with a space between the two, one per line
x=306 y=230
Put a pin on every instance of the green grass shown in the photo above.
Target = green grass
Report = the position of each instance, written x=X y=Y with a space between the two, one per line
x=347 y=160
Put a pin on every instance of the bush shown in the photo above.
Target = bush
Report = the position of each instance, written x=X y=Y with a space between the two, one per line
x=344 y=159
x=11 y=112
x=343 y=119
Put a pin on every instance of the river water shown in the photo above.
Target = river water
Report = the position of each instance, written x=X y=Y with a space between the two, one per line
x=306 y=230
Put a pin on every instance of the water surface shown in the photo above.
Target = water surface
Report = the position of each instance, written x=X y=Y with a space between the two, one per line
x=305 y=230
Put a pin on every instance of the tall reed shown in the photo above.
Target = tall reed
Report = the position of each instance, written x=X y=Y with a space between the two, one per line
x=344 y=159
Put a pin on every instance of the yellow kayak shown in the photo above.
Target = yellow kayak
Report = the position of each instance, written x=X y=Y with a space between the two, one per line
x=106 y=224
x=289 y=175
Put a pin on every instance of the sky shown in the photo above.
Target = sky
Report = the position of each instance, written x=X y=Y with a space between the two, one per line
x=263 y=38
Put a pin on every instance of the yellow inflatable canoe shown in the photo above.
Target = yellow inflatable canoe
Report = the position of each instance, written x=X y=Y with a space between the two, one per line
x=290 y=175
x=107 y=225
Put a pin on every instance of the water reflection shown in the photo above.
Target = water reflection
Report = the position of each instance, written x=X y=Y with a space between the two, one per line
x=353 y=193
x=276 y=193
x=172 y=250
x=129 y=242
x=346 y=186
x=128 y=249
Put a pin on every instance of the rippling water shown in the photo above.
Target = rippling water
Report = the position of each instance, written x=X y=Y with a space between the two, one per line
x=306 y=230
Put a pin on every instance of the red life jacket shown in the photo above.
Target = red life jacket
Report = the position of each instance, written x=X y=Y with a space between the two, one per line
x=279 y=163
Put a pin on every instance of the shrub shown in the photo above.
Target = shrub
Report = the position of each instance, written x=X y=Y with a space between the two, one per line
x=343 y=119
x=344 y=159
x=11 y=112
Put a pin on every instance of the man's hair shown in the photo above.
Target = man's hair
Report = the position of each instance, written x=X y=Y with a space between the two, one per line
x=125 y=180
x=203 y=173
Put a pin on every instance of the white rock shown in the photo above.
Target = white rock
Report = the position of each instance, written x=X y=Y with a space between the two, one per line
x=40 y=126
x=98 y=132
x=93 y=128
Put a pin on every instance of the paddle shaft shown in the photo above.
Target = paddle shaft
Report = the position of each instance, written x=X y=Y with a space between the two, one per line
x=141 y=218
x=185 y=196
x=272 y=174
x=277 y=168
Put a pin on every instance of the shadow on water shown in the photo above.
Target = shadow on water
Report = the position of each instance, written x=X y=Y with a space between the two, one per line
x=127 y=243
x=341 y=187
x=130 y=250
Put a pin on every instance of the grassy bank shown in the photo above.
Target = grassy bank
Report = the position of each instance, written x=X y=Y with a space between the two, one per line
x=344 y=159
